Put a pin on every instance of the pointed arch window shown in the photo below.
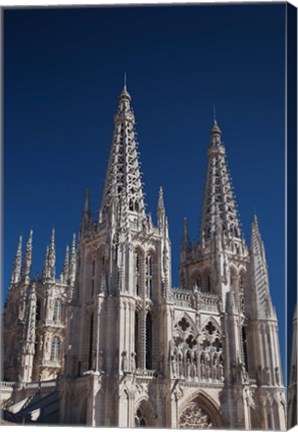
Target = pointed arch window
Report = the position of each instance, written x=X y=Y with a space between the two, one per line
x=149 y=341
x=138 y=272
x=149 y=275
x=55 y=349
x=244 y=345
x=136 y=338
x=57 y=311
x=90 y=342
x=93 y=277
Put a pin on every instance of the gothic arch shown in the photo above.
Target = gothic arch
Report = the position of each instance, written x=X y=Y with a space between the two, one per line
x=213 y=322
x=233 y=270
x=200 y=411
x=144 y=413
x=192 y=326
x=196 y=278
x=83 y=413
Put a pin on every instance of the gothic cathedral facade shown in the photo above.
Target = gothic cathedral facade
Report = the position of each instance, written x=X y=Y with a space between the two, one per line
x=129 y=349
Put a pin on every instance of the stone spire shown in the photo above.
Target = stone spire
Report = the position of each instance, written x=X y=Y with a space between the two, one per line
x=218 y=192
x=73 y=261
x=49 y=269
x=65 y=271
x=86 y=216
x=27 y=261
x=260 y=273
x=123 y=183
x=161 y=212
x=186 y=246
x=16 y=272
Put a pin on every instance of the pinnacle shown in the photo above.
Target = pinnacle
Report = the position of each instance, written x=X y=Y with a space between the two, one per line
x=220 y=208
x=123 y=185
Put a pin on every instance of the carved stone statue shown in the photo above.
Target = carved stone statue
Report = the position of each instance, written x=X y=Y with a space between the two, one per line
x=173 y=366
x=188 y=369
x=266 y=376
x=277 y=376
x=124 y=361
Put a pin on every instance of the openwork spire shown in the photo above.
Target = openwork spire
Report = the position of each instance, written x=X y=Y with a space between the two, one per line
x=219 y=200
x=16 y=272
x=27 y=261
x=123 y=182
x=260 y=273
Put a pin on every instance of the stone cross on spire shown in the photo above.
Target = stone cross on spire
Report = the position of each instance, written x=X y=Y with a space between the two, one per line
x=123 y=180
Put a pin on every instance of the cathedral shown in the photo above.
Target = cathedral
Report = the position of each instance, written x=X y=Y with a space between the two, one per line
x=110 y=343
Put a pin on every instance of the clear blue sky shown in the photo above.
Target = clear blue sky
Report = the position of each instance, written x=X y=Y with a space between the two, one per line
x=63 y=72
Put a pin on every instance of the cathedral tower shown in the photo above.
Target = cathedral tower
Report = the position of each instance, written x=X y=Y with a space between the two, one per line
x=123 y=283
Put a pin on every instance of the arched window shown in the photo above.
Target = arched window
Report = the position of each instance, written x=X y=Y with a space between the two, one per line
x=140 y=420
x=93 y=277
x=244 y=344
x=149 y=275
x=136 y=338
x=209 y=283
x=90 y=343
x=149 y=341
x=57 y=312
x=38 y=310
x=55 y=349
x=138 y=258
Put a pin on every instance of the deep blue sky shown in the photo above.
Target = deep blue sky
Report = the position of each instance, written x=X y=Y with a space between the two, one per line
x=63 y=72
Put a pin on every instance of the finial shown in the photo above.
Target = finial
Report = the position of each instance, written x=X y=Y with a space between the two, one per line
x=160 y=198
x=87 y=205
x=125 y=80
x=214 y=115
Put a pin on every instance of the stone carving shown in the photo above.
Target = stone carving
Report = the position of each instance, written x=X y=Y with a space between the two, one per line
x=124 y=361
x=194 y=417
x=133 y=361
x=266 y=376
x=277 y=376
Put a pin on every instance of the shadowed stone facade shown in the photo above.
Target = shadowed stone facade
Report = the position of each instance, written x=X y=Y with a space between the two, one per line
x=130 y=349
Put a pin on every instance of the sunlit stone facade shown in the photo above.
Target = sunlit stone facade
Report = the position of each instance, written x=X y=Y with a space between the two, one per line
x=129 y=349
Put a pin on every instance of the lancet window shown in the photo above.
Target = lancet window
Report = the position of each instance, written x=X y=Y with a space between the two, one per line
x=55 y=349
x=148 y=341
x=90 y=359
x=57 y=311
x=149 y=275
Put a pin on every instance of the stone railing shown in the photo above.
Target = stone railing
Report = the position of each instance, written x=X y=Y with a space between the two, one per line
x=6 y=384
x=146 y=373
x=209 y=302
x=182 y=298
